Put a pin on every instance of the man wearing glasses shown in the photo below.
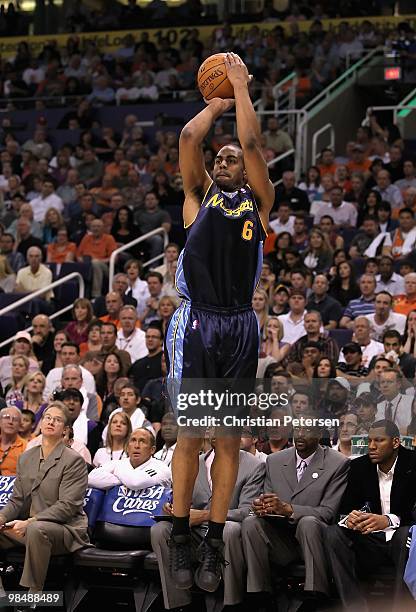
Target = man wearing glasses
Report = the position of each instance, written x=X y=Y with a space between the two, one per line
x=11 y=445
x=44 y=512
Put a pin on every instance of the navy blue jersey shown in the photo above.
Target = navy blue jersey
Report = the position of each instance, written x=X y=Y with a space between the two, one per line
x=221 y=263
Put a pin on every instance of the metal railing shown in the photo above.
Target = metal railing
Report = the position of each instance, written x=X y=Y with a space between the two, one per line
x=395 y=108
x=324 y=128
x=125 y=247
x=40 y=292
x=284 y=99
x=410 y=99
x=275 y=160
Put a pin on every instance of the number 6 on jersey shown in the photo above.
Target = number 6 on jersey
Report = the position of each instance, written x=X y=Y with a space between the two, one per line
x=247 y=232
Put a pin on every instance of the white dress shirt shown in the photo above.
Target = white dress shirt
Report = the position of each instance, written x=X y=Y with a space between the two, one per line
x=278 y=227
x=40 y=206
x=401 y=411
x=165 y=454
x=140 y=292
x=135 y=344
x=395 y=286
x=292 y=330
x=113 y=473
x=385 y=481
x=345 y=213
x=53 y=381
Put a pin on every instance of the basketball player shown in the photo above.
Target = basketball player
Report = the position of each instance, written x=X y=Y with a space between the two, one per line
x=214 y=333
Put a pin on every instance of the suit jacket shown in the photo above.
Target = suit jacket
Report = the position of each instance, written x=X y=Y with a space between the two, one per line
x=248 y=486
x=54 y=492
x=319 y=491
x=363 y=487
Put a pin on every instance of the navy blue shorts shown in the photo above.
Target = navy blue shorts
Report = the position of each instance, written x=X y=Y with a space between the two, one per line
x=214 y=343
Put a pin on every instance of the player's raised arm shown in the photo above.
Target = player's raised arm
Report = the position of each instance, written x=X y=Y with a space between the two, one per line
x=248 y=131
x=196 y=179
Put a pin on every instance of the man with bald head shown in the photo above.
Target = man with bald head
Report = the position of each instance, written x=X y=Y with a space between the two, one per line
x=11 y=444
x=24 y=236
x=120 y=285
x=329 y=308
x=72 y=379
x=98 y=245
x=35 y=275
x=288 y=192
x=403 y=304
x=113 y=304
x=370 y=348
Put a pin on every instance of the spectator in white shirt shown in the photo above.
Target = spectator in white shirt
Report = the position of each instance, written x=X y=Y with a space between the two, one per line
x=390 y=193
x=388 y=280
x=69 y=356
x=137 y=471
x=129 y=337
x=284 y=221
x=34 y=276
x=169 y=433
x=117 y=438
x=409 y=180
x=129 y=404
x=395 y=406
x=384 y=319
x=293 y=321
x=47 y=199
x=370 y=348
x=248 y=443
x=137 y=288
x=344 y=214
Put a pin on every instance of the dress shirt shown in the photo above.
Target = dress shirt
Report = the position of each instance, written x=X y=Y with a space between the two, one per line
x=30 y=281
x=385 y=482
x=135 y=344
x=302 y=464
x=278 y=227
x=140 y=292
x=391 y=194
x=344 y=214
x=113 y=473
x=401 y=410
x=395 y=286
x=292 y=330
x=41 y=205
x=165 y=454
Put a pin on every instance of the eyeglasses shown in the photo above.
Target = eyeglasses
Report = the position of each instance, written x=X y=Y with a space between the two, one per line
x=9 y=417
x=50 y=419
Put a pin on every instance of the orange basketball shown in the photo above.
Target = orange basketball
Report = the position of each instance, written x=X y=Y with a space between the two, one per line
x=212 y=78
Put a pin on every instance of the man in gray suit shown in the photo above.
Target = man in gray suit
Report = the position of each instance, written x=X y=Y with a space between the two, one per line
x=44 y=512
x=248 y=486
x=303 y=488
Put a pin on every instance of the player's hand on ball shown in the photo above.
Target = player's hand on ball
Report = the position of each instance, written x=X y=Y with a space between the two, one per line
x=236 y=69
x=220 y=105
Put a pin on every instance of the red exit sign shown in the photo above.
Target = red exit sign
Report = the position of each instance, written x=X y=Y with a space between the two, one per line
x=392 y=74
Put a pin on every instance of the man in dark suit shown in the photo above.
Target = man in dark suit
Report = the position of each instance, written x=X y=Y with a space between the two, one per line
x=385 y=480
x=249 y=485
x=303 y=488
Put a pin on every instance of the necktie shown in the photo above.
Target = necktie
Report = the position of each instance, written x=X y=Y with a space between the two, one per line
x=301 y=469
x=389 y=411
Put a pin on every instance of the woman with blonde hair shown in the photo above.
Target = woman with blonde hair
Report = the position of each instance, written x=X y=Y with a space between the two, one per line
x=82 y=313
x=118 y=434
x=52 y=221
x=20 y=369
x=260 y=303
x=7 y=277
x=33 y=385
x=272 y=345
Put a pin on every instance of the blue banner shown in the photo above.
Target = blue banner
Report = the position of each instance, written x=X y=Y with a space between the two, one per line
x=123 y=506
x=93 y=501
x=6 y=489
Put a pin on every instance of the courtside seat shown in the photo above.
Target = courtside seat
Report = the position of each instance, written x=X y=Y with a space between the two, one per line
x=110 y=559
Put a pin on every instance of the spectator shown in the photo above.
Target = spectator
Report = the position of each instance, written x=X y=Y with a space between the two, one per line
x=148 y=367
x=7 y=278
x=409 y=176
x=102 y=303
x=155 y=286
x=93 y=343
x=300 y=232
x=150 y=218
x=129 y=337
x=348 y=428
x=118 y=435
x=62 y=250
x=293 y=321
x=15 y=259
x=403 y=239
x=327 y=227
x=86 y=432
x=395 y=165
x=369 y=348
x=366 y=242
x=169 y=434
x=327 y=163
x=69 y=356
x=42 y=341
x=312 y=184
x=26 y=427
x=52 y=519
x=248 y=443
x=344 y=214
x=343 y=286
x=113 y=305
x=137 y=287
x=329 y=309
x=388 y=280
x=366 y=408
x=22 y=345
x=108 y=335
x=47 y=199
x=390 y=193
x=129 y=400
x=24 y=237
x=273 y=346
x=112 y=370
x=311 y=508
x=393 y=405
x=11 y=444
x=33 y=387
x=352 y=366
x=99 y=247
x=403 y=304
x=394 y=351
x=77 y=330
x=284 y=221
x=384 y=319
x=276 y=138
x=287 y=192
x=312 y=325
x=370 y=482
x=363 y=305
x=38 y=146
x=34 y=276
x=72 y=378
x=90 y=170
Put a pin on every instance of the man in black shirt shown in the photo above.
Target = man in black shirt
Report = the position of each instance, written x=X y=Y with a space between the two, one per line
x=329 y=308
x=287 y=192
x=149 y=367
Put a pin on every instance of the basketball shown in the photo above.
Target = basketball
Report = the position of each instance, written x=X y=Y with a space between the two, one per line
x=212 y=78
